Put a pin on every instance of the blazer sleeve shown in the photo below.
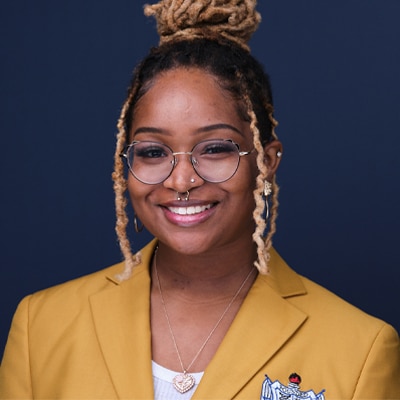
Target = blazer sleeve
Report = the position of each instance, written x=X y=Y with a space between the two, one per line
x=15 y=377
x=380 y=377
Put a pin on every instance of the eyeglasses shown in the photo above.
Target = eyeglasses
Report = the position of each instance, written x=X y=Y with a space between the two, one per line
x=215 y=160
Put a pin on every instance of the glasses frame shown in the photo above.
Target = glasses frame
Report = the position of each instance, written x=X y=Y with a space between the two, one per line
x=174 y=162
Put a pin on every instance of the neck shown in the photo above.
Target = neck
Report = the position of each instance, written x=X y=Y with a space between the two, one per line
x=205 y=276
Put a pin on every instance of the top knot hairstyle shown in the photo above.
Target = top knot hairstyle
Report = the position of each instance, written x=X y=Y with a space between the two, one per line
x=210 y=35
x=235 y=20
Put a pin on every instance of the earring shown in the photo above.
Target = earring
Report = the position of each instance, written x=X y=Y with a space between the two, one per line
x=266 y=192
x=138 y=228
x=267 y=188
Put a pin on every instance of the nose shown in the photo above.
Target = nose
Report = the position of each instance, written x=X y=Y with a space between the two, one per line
x=183 y=176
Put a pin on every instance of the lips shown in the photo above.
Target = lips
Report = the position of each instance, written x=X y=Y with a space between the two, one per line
x=190 y=210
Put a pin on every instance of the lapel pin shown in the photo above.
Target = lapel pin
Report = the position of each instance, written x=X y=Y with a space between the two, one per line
x=278 y=391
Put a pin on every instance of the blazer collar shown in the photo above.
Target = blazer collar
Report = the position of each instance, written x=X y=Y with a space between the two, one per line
x=121 y=316
x=282 y=279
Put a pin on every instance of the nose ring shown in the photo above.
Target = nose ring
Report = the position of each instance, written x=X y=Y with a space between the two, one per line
x=184 y=198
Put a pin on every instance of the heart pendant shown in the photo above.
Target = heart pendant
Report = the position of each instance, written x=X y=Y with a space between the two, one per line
x=183 y=382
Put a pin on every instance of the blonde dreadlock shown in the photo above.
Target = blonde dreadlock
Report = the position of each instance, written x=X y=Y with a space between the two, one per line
x=235 y=20
x=211 y=35
x=120 y=186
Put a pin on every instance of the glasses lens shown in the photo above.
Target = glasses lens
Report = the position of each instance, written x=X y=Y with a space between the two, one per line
x=215 y=160
x=150 y=162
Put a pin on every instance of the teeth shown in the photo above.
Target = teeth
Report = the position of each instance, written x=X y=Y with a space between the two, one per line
x=189 y=210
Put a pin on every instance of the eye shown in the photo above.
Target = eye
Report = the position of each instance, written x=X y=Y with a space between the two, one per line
x=217 y=148
x=150 y=151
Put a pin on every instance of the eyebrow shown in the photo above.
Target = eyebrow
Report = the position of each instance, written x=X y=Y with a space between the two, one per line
x=218 y=126
x=148 y=129
x=208 y=128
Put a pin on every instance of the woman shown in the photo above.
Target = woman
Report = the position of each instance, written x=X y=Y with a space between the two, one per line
x=208 y=310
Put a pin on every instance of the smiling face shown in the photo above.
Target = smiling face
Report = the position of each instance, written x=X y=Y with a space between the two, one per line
x=182 y=108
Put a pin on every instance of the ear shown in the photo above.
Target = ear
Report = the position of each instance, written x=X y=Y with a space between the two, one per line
x=273 y=155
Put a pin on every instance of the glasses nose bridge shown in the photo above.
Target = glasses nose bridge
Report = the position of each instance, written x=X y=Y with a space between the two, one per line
x=181 y=153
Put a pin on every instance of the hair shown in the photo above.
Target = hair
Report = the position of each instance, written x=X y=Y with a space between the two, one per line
x=210 y=35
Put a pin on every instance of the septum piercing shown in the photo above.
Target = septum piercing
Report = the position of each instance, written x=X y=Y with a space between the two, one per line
x=185 y=198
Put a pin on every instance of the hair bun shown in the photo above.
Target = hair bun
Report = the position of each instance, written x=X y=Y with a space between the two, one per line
x=235 y=20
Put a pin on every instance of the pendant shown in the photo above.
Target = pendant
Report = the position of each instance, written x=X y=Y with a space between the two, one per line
x=183 y=382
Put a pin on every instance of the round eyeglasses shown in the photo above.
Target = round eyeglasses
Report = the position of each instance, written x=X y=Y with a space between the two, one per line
x=214 y=160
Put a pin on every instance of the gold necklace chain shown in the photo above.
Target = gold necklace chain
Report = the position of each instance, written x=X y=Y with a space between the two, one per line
x=185 y=381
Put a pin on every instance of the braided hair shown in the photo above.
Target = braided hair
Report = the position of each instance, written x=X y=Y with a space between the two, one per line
x=210 y=35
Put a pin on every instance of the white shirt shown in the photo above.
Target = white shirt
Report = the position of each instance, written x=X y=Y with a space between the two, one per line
x=164 y=388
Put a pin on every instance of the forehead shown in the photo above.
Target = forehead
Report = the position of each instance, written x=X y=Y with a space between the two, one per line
x=187 y=96
x=177 y=82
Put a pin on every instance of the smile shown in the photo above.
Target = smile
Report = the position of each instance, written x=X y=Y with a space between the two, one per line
x=189 y=210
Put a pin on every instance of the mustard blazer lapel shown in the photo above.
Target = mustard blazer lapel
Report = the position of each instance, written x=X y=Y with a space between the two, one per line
x=121 y=316
x=265 y=322
x=122 y=320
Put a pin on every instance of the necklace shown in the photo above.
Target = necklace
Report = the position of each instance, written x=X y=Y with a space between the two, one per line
x=184 y=381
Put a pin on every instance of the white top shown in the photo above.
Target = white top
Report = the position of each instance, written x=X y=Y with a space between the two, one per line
x=164 y=388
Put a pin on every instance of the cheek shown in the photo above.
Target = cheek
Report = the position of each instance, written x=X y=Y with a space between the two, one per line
x=247 y=174
x=136 y=190
x=242 y=185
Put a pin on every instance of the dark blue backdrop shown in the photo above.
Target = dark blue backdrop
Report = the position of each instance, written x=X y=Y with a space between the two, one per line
x=335 y=69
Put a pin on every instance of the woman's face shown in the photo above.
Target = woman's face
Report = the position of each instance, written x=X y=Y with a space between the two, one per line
x=182 y=108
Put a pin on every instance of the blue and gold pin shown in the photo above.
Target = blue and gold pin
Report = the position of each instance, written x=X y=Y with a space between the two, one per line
x=278 y=391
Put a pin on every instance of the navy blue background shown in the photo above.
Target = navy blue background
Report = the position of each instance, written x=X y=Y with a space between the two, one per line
x=65 y=67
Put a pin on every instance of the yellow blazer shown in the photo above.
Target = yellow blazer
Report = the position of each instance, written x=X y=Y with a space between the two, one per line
x=90 y=339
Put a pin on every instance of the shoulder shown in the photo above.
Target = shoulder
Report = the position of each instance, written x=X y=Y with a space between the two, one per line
x=78 y=288
x=325 y=310
x=59 y=305
x=323 y=303
x=73 y=296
